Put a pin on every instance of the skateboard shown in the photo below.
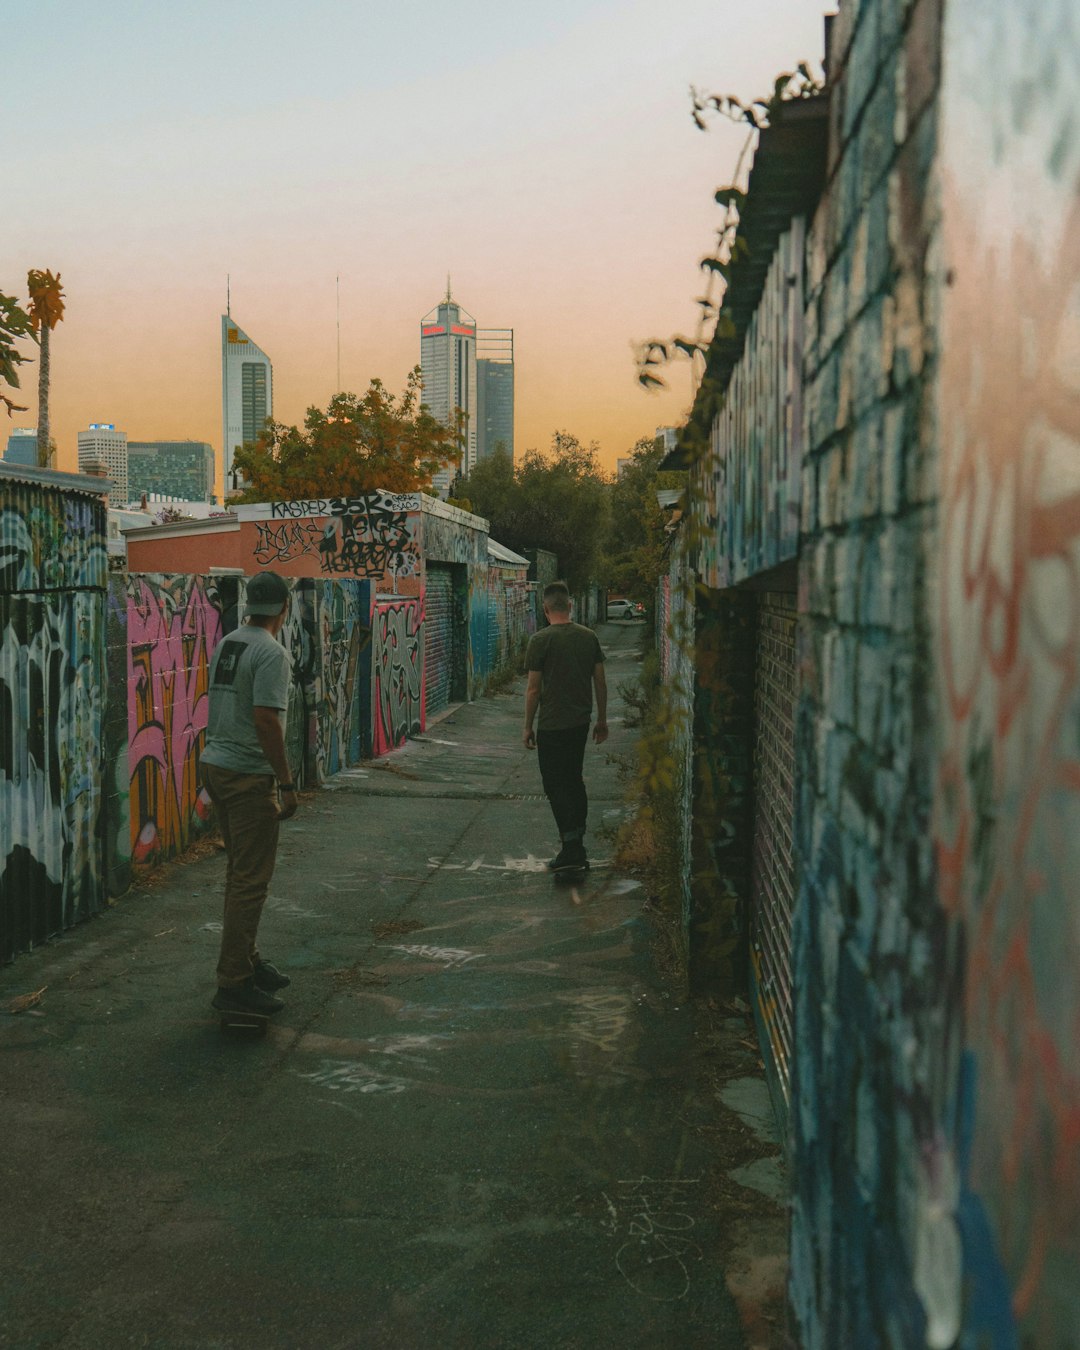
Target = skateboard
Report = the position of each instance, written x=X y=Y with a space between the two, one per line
x=571 y=874
x=249 y=1022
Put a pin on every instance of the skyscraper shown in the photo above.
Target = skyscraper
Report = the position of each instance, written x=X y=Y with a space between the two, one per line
x=22 y=447
x=495 y=391
x=101 y=443
x=183 y=469
x=448 y=367
x=247 y=393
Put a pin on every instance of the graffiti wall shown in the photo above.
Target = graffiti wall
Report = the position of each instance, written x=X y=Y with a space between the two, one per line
x=749 y=481
x=397 y=666
x=344 y=652
x=374 y=535
x=873 y=1244
x=52 y=694
x=1007 y=623
x=116 y=815
x=173 y=625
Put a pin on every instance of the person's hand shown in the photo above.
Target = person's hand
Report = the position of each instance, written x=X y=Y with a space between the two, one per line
x=289 y=803
x=528 y=738
x=600 y=733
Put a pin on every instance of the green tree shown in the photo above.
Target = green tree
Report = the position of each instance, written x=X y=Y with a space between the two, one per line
x=557 y=501
x=357 y=445
x=636 y=546
x=46 y=311
x=15 y=325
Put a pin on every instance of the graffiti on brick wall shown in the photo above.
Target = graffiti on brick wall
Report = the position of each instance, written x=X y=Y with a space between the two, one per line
x=343 y=637
x=1008 y=632
x=373 y=535
x=750 y=479
x=52 y=680
x=398 y=673
x=174 y=623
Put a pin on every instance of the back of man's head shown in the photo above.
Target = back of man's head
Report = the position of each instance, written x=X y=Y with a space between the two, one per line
x=557 y=597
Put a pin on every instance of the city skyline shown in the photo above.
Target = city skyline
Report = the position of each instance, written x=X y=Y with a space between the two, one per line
x=579 y=213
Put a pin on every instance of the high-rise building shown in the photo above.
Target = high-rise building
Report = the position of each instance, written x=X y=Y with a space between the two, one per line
x=495 y=391
x=22 y=447
x=247 y=394
x=448 y=367
x=181 y=469
x=102 y=444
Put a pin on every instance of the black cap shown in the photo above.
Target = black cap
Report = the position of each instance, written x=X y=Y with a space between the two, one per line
x=267 y=594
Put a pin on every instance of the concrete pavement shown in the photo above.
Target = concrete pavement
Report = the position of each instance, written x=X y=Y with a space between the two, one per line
x=481 y=1120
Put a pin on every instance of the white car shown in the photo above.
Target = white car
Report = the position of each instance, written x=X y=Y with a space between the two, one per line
x=623 y=609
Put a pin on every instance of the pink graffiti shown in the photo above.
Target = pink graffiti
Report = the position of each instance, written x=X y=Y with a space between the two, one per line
x=172 y=632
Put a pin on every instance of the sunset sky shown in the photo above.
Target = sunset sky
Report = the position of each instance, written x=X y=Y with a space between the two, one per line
x=543 y=155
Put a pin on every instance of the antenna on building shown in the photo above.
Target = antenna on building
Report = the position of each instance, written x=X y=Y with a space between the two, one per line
x=228 y=296
x=449 y=297
x=337 y=284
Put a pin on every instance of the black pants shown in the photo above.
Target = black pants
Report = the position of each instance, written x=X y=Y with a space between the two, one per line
x=562 y=757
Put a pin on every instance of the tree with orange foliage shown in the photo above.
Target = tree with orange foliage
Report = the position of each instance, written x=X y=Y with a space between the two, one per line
x=46 y=311
x=357 y=445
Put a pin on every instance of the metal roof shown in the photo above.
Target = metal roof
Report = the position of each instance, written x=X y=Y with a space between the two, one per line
x=69 y=482
x=504 y=555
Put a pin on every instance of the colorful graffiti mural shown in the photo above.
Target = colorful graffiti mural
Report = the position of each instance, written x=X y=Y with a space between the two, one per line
x=116 y=816
x=52 y=682
x=397 y=673
x=1008 y=655
x=174 y=623
x=344 y=636
x=52 y=692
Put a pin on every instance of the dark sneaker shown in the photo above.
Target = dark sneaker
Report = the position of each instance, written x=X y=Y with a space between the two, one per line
x=571 y=858
x=246 y=998
x=268 y=977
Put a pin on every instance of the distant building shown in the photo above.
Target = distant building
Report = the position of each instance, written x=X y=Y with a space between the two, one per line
x=448 y=367
x=180 y=469
x=668 y=438
x=22 y=448
x=247 y=394
x=494 y=391
x=101 y=444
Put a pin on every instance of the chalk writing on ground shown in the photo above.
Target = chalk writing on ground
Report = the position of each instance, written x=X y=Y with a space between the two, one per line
x=447 y=956
x=649 y=1216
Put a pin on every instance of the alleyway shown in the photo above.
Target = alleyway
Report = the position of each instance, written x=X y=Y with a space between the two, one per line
x=477 y=1123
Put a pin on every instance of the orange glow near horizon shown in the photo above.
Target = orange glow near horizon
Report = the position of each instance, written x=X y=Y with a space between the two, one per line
x=565 y=190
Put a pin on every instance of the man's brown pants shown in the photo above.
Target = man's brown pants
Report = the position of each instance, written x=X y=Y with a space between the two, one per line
x=247 y=814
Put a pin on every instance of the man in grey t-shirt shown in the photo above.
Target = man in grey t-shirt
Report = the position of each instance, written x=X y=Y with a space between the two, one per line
x=244 y=758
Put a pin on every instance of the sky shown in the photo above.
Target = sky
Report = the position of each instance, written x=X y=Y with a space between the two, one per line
x=541 y=155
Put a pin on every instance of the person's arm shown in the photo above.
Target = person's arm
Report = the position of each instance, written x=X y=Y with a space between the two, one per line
x=272 y=742
x=532 y=702
x=599 y=679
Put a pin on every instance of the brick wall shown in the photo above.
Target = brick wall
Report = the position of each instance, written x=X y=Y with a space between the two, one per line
x=870 y=939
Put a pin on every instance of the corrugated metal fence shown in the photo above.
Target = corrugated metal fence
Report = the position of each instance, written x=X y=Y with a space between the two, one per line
x=53 y=574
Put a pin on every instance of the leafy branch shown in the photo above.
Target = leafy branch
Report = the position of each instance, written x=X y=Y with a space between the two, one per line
x=730 y=248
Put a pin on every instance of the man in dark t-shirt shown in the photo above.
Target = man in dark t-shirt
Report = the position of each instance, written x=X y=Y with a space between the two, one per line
x=565 y=665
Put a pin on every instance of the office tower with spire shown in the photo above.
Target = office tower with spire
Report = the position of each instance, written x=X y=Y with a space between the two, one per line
x=495 y=391
x=448 y=367
x=247 y=394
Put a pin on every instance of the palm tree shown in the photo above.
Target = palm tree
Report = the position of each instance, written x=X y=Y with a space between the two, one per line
x=46 y=311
